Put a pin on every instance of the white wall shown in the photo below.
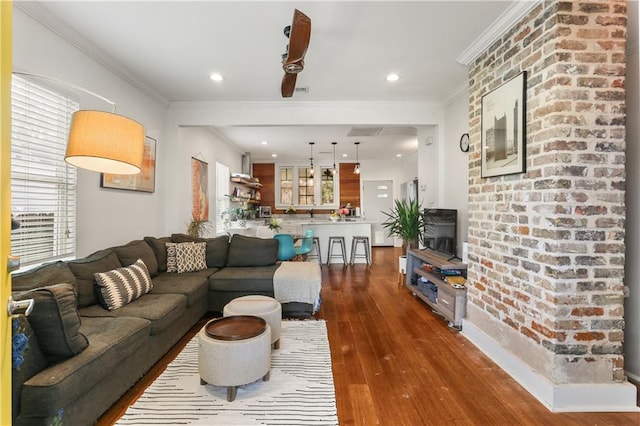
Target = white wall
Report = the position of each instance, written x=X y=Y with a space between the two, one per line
x=632 y=266
x=455 y=167
x=104 y=217
x=203 y=144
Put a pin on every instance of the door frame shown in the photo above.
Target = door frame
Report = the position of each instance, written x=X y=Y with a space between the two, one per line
x=6 y=10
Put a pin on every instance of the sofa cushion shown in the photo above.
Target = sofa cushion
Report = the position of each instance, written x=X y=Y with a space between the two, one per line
x=55 y=321
x=121 y=286
x=160 y=250
x=111 y=341
x=45 y=275
x=161 y=309
x=26 y=357
x=257 y=278
x=193 y=285
x=83 y=270
x=135 y=250
x=252 y=251
x=217 y=248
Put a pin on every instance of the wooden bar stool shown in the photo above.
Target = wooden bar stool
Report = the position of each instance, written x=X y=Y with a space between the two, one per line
x=354 y=247
x=340 y=242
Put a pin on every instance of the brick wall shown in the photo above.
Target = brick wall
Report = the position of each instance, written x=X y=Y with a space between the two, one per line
x=546 y=247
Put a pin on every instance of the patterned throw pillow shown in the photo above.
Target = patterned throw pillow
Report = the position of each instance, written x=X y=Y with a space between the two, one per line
x=172 y=266
x=191 y=257
x=121 y=286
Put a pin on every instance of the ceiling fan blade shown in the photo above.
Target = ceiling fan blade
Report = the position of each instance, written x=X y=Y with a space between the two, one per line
x=299 y=37
x=288 y=85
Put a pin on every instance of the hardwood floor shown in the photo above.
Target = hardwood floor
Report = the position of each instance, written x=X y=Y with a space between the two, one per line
x=397 y=363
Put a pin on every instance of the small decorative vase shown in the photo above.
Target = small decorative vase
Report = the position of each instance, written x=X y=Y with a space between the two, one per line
x=242 y=223
x=342 y=218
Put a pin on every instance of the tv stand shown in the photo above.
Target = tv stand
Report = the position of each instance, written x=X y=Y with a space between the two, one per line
x=450 y=301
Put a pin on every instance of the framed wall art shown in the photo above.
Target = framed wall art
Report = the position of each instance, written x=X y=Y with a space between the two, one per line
x=145 y=181
x=200 y=185
x=503 y=128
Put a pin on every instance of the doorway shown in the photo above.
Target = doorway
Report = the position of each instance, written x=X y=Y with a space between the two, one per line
x=377 y=196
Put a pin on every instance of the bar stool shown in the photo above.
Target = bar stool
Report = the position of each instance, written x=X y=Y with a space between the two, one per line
x=354 y=247
x=340 y=242
x=315 y=251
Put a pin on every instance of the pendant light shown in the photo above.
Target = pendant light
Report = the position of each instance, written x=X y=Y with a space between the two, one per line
x=311 y=158
x=357 y=168
x=334 y=170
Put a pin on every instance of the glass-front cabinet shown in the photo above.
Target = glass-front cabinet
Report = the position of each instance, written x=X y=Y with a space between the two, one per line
x=306 y=187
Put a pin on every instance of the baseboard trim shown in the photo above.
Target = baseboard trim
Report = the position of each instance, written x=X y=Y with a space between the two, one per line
x=584 y=397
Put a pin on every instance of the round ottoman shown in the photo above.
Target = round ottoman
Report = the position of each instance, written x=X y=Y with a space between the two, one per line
x=264 y=307
x=234 y=351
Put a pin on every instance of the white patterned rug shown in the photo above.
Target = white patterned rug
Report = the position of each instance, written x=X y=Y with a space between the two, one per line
x=300 y=390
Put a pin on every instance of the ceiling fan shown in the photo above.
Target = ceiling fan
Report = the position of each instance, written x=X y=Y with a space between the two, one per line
x=299 y=33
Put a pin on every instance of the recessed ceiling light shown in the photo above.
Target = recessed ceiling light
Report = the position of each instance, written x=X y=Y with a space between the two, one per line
x=216 y=77
x=398 y=155
x=345 y=155
x=263 y=142
x=393 y=77
x=274 y=155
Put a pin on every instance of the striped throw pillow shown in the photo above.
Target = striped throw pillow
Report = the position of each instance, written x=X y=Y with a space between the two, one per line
x=121 y=286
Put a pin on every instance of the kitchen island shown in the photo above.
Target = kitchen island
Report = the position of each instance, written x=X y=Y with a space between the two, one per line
x=323 y=228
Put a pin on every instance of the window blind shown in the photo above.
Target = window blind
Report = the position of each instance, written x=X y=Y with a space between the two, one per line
x=43 y=185
x=222 y=190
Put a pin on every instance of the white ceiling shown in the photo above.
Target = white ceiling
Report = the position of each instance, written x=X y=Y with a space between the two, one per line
x=169 y=48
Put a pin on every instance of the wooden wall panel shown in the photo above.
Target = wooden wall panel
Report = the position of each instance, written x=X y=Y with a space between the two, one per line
x=265 y=172
x=349 y=185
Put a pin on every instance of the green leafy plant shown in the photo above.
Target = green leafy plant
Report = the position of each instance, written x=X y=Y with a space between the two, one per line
x=197 y=227
x=274 y=225
x=405 y=221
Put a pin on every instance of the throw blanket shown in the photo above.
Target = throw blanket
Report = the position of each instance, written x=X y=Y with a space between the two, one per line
x=298 y=282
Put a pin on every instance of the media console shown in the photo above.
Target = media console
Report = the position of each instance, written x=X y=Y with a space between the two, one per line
x=430 y=277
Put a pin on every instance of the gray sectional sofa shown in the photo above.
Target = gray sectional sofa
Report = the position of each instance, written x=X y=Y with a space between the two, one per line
x=74 y=357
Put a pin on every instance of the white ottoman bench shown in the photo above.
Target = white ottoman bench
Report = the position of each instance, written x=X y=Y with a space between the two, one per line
x=265 y=307
x=234 y=351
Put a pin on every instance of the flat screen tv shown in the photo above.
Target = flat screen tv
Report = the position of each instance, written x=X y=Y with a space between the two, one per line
x=440 y=230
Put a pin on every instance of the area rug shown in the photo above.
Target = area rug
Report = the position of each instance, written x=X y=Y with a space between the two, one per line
x=300 y=390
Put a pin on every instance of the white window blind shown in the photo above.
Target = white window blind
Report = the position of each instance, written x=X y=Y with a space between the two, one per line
x=222 y=190
x=43 y=185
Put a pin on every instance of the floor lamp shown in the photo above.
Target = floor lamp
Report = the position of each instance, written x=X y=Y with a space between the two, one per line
x=102 y=141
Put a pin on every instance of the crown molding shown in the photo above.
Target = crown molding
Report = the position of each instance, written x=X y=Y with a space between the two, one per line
x=508 y=19
x=39 y=13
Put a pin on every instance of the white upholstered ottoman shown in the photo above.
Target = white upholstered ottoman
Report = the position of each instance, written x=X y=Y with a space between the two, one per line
x=234 y=351
x=264 y=307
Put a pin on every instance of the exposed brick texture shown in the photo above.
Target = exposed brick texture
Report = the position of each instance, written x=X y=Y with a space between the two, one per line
x=546 y=247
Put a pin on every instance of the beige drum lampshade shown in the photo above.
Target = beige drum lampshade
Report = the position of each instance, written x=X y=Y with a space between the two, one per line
x=105 y=142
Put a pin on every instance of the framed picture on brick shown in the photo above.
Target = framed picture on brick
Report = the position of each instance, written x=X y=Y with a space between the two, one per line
x=503 y=128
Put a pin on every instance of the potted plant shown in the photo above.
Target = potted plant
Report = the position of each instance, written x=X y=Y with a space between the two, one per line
x=197 y=227
x=405 y=221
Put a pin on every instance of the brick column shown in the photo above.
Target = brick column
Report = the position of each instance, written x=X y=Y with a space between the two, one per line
x=546 y=248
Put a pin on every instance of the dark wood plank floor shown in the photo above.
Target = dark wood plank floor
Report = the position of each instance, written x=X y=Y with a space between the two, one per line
x=397 y=363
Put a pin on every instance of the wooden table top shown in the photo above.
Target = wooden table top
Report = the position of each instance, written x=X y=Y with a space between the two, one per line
x=236 y=327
